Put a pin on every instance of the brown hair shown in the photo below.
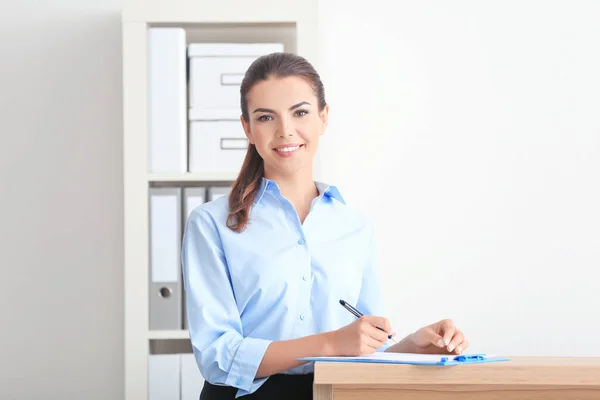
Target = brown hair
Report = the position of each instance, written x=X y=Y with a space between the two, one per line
x=247 y=184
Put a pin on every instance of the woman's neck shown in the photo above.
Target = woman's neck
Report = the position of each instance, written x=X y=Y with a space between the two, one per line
x=299 y=189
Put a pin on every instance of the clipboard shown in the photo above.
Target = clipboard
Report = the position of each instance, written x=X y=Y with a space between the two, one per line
x=413 y=359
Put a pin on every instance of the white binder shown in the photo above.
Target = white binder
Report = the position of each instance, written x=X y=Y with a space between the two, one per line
x=192 y=198
x=216 y=192
x=167 y=73
x=164 y=372
x=165 y=289
x=191 y=379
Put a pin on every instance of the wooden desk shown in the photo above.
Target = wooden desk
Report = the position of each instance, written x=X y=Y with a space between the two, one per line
x=523 y=378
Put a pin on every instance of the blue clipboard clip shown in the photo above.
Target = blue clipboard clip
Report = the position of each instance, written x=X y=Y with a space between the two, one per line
x=467 y=358
x=470 y=359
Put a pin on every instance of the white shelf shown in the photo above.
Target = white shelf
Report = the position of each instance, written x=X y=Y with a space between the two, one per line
x=222 y=11
x=192 y=177
x=221 y=21
x=178 y=334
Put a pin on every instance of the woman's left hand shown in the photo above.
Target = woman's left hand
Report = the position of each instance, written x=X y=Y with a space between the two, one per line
x=439 y=338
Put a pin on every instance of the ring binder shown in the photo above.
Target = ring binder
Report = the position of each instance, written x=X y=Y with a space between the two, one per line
x=165 y=286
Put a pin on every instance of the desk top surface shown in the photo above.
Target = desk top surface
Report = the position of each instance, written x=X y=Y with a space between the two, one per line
x=573 y=371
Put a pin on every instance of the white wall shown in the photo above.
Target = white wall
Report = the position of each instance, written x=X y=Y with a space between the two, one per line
x=481 y=123
x=61 y=200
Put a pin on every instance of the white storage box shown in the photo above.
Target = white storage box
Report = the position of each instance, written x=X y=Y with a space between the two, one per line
x=217 y=146
x=216 y=73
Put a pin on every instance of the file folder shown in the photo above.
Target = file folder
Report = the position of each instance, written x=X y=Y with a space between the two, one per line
x=193 y=197
x=164 y=376
x=415 y=359
x=216 y=192
x=165 y=289
x=191 y=379
x=167 y=90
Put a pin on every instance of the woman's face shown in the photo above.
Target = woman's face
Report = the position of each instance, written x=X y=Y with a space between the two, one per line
x=285 y=124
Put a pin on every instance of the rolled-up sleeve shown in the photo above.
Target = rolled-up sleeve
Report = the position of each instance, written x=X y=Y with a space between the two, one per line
x=369 y=300
x=224 y=356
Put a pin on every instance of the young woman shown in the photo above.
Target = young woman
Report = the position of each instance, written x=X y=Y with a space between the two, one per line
x=265 y=268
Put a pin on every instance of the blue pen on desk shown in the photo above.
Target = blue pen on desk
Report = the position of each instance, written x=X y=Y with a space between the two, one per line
x=358 y=314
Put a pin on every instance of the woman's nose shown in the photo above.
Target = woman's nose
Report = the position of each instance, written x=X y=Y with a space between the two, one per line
x=285 y=128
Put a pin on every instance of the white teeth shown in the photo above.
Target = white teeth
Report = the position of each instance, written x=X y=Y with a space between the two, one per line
x=286 y=149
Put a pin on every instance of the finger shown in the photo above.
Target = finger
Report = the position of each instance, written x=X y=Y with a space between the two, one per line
x=461 y=347
x=449 y=330
x=367 y=329
x=456 y=340
x=377 y=334
x=380 y=322
x=372 y=342
x=428 y=335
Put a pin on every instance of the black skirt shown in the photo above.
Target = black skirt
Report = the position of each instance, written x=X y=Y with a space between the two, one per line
x=277 y=387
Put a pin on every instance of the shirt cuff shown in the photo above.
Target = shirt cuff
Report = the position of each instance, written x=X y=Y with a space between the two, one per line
x=245 y=364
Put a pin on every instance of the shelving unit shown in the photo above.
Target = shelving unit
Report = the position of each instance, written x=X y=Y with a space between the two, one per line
x=192 y=177
x=178 y=334
x=293 y=24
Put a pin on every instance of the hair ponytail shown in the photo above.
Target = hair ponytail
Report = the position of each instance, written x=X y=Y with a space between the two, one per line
x=244 y=190
x=246 y=186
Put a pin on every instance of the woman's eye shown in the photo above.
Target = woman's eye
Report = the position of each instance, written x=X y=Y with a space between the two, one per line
x=301 y=113
x=265 y=118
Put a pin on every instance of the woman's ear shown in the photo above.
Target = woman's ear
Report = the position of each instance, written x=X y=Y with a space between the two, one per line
x=246 y=127
x=324 y=115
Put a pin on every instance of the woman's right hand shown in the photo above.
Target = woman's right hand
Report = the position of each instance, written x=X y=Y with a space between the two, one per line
x=361 y=336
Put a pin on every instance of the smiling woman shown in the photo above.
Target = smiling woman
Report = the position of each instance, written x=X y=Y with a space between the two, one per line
x=265 y=268
x=289 y=113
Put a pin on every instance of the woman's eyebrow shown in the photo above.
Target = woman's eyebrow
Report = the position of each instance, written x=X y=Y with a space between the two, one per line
x=291 y=108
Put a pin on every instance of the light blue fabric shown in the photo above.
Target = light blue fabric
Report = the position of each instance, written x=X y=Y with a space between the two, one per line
x=277 y=280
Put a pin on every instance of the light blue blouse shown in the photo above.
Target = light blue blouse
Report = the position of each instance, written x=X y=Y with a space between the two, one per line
x=277 y=280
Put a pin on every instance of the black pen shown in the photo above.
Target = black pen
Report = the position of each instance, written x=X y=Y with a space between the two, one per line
x=358 y=314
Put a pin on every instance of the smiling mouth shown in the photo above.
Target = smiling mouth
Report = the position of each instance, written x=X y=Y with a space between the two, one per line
x=287 y=150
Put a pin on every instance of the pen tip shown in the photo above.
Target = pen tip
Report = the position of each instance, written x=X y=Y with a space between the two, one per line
x=342 y=302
